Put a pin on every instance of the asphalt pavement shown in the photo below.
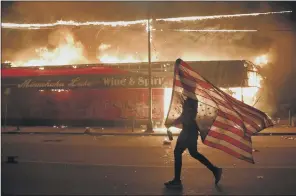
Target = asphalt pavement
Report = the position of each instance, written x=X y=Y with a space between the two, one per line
x=124 y=131
x=123 y=165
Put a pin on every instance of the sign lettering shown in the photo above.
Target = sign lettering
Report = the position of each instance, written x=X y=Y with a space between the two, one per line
x=96 y=82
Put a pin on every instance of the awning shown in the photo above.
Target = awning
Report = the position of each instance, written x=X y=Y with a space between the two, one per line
x=47 y=71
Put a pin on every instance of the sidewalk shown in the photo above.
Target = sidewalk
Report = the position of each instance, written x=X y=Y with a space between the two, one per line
x=273 y=131
x=83 y=130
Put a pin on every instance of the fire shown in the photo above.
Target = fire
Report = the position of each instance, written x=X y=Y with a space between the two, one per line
x=244 y=94
x=72 y=23
x=194 y=18
x=254 y=79
x=68 y=52
x=103 y=47
x=167 y=100
x=128 y=23
x=248 y=94
x=261 y=60
x=114 y=59
x=217 y=30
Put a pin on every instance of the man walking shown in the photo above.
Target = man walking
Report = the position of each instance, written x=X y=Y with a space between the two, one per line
x=188 y=140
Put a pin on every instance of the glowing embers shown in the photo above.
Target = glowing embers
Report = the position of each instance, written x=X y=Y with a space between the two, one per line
x=128 y=23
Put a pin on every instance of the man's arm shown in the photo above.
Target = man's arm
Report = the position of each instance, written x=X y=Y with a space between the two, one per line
x=175 y=122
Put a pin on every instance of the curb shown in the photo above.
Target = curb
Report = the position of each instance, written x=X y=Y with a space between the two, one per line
x=119 y=134
x=94 y=134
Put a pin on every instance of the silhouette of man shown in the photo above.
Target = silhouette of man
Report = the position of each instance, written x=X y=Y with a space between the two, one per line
x=188 y=140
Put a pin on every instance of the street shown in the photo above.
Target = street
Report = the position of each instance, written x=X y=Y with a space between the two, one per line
x=139 y=165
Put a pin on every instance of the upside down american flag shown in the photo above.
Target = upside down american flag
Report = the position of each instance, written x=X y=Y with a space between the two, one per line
x=225 y=123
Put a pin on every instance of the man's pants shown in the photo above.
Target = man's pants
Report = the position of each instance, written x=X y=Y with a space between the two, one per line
x=188 y=141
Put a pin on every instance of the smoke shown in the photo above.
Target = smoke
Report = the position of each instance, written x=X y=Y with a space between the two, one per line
x=167 y=45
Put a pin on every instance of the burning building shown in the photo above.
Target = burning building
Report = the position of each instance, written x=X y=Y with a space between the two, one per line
x=109 y=94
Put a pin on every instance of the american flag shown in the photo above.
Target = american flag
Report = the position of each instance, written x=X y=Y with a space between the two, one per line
x=225 y=123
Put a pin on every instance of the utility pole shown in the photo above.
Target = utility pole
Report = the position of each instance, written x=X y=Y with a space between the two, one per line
x=149 y=124
x=6 y=92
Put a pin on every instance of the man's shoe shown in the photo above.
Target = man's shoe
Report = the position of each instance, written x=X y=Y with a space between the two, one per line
x=217 y=173
x=177 y=184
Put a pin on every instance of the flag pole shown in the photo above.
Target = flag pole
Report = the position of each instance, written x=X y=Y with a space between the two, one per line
x=149 y=124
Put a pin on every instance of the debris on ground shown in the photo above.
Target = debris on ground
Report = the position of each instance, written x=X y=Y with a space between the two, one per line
x=260 y=177
x=288 y=138
x=88 y=130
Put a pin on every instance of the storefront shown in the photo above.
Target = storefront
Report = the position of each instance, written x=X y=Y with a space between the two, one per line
x=79 y=96
x=97 y=95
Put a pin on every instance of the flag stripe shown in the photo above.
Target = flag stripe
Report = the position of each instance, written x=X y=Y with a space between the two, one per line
x=250 y=114
x=228 y=145
x=187 y=75
x=245 y=108
x=186 y=68
x=258 y=113
x=197 y=92
x=195 y=96
x=247 y=118
x=191 y=81
x=233 y=100
x=231 y=138
x=236 y=120
x=189 y=86
x=234 y=106
x=244 y=139
x=227 y=109
x=227 y=126
x=229 y=151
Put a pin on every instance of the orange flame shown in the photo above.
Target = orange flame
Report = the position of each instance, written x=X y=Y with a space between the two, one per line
x=66 y=53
